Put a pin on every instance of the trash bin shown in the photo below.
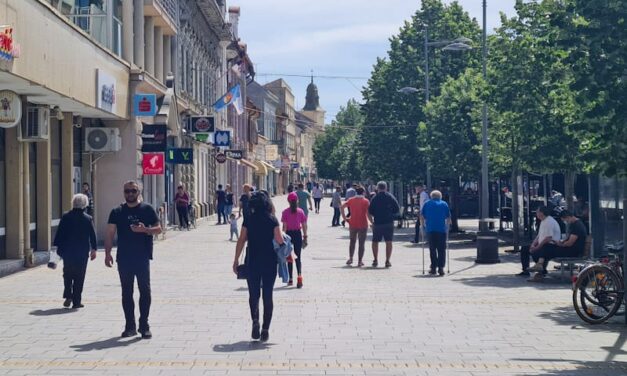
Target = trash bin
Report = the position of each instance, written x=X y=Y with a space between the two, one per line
x=487 y=243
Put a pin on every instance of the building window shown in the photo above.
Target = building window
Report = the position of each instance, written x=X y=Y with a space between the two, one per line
x=55 y=160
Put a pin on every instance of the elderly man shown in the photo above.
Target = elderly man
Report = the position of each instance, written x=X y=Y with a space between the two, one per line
x=548 y=233
x=573 y=246
x=382 y=212
x=75 y=238
x=437 y=217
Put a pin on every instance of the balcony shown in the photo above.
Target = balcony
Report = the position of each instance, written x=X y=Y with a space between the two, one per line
x=164 y=12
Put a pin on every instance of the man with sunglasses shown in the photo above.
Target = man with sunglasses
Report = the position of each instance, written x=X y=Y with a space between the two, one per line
x=135 y=223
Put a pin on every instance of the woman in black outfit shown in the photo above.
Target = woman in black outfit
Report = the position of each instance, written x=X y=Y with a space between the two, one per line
x=260 y=227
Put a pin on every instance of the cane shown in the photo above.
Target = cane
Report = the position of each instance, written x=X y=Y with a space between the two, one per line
x=422 y=235
x=448 y=252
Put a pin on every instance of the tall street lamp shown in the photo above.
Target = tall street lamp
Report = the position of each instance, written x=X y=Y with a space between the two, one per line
x=458 y=44
x=487 y=242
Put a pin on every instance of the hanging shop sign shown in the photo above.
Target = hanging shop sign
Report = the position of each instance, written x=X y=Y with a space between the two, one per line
x=180 y=156
x=222 y=139
x=105 y=92
x=234 y=154
x=154 y=138
x=145 y=104
x=220 y=157
x=153 y=164
x=294 y=165
x=272 y=152
x=10 y=109
x=201 y=124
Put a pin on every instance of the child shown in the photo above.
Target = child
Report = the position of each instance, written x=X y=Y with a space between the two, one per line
x=234 y=227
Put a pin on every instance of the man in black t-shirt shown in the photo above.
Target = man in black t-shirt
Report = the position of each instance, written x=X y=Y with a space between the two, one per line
x=135 y=224
x=243 y=202
x=382 y=211
x=573 y=246
x=220 y=204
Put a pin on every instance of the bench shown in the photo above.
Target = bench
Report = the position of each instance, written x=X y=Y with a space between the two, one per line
x=572 y=261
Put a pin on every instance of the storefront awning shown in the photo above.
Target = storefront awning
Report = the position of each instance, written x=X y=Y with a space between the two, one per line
x=248 y=164
x=262 y=170
x=270 y=167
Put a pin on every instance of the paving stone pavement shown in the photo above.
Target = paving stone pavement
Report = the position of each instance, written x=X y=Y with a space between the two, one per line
x=477 y=320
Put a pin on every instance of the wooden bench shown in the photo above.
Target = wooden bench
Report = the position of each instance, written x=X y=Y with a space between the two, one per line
x=572 y=261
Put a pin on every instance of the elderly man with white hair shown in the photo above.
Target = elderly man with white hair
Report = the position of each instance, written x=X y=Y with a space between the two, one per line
x=437 y=217
x=75 y=238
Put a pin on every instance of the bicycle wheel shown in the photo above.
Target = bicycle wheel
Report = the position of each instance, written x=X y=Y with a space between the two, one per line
x=598 y=294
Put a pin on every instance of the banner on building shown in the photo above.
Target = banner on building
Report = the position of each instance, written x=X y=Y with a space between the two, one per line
x=180 y=156
x=201 y=124
x=234 y=154
x=154 y=138
x=153 y=164
x=145 y=104
x=272 y=152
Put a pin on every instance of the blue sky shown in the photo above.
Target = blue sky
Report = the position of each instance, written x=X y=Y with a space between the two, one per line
x=332 y=38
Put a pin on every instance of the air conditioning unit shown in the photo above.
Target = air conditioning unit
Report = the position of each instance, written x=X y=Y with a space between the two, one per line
x=37 y=124
x=102 y=139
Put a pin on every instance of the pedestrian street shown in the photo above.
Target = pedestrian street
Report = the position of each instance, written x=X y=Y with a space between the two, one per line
x=477 y=320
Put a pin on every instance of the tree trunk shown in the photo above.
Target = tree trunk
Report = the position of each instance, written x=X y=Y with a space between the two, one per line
x=569 y=189
x=455 y=202
x=516 y=207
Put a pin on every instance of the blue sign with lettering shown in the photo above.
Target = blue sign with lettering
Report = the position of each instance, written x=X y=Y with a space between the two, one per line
x=222 y=139
x=145 y=104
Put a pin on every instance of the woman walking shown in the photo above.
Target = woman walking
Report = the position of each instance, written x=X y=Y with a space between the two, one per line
x=181 y=200
x=228 y=206
x=317 y=194
x=76 y=242
x=294 y=220
x=260 y=227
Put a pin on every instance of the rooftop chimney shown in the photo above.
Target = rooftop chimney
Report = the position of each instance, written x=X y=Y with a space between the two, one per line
x=234 y=13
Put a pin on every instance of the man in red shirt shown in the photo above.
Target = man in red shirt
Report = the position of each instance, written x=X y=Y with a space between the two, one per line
x=357 y=223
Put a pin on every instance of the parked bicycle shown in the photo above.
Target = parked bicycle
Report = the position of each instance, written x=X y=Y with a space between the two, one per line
x=598 y=290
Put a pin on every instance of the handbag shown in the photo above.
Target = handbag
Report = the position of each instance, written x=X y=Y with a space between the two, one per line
x=242 y=268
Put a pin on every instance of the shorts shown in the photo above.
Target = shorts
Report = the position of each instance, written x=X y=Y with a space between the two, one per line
x=383 y=232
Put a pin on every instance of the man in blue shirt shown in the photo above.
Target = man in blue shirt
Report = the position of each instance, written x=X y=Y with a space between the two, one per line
x=437 y=217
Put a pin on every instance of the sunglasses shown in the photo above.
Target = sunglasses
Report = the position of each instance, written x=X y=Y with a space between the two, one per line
x=127 y=191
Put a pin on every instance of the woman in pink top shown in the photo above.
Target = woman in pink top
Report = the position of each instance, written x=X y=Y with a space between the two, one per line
x=294 y=220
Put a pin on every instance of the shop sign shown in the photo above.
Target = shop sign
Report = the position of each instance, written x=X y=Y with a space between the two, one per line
x=285 y=163
x=10 y=109
x=222 y=139
x=105 y=92
x=153 y=164
x=294 y=166
x=201 y=124
x=180 y=156
x=220 y=157
x=272 y=152
x=9 y=50
x=145 y=104
x=234 y=154
x=154 y=138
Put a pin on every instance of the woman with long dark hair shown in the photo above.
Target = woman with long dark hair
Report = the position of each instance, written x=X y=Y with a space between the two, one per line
x=260 y=227
x=294 y=219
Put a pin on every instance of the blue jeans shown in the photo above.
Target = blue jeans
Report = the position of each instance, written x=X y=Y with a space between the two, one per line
x=221 y=213
x=228 y=209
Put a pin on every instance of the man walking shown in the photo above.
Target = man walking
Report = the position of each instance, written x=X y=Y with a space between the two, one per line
x=336 y=202
x=89 y=210
x=243 y=202
x=304 y=198
x=423 y=197
x=437 y=216
x=357 y=224
x=382 y=212
x=220 y=204
x=350 y=193
x=135 y=223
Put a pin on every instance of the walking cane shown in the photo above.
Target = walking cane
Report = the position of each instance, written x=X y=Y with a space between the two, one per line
x=422 y=235
x=448 y=251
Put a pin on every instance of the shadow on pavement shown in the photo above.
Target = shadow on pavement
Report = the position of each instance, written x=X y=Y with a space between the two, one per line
x=584 y=368
x=508 y=281
x=51 y=312
x=242 y=346
x=106 y=344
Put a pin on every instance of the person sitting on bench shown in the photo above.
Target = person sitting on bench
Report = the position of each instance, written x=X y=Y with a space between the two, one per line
x=573 y=246
x=549 y=232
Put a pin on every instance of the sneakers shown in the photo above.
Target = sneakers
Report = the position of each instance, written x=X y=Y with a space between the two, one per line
x=67 y=302
x=432 y=271
x=290 y=283
x=299 y=282
x=129 y=332
x=77 y=306
x=536 y=268
x=265 y=336
x=255 y=332
x=375 y=264
x=524 y=273
x=388 y=264
x=441 y=271
x=349 y=262
x=538 y=277
x=146 y=334
x=360 y=264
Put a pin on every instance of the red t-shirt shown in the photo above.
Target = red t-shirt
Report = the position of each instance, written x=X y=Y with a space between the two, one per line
x=294 y=221
x=358 y=206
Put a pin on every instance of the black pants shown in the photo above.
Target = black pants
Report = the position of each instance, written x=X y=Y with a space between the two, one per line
x=524 y=257
x=129 y=270
x=437 y=249
x=417 y=236
x=317 y=204
x=183 y=216
x=73 y=279
x=297 y=242
x=336 y=217
x=551 y=251
x=261 y=283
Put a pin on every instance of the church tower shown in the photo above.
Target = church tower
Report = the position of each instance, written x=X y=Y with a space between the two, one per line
x=312 y=107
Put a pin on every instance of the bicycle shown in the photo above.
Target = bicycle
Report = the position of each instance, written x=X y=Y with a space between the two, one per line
x=598 y=290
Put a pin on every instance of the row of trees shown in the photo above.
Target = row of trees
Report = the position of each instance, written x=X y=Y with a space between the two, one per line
x=556 y=90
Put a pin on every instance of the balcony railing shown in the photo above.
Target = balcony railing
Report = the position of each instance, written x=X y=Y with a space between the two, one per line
x=169 y=6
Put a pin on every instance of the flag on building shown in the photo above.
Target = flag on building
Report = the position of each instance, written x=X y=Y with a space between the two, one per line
x=234 y=97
